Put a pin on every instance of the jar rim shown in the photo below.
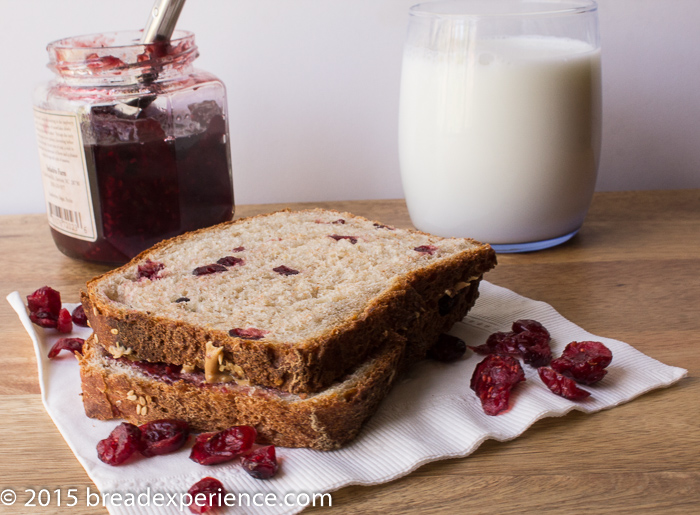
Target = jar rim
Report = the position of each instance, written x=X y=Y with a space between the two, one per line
x=119 y=56
x=502 y=8
x=103 y=40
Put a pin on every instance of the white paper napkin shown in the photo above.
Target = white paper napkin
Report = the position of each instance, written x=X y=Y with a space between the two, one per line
x=431 y=415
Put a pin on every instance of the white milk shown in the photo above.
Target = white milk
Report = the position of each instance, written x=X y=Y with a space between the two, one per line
x=500 y=143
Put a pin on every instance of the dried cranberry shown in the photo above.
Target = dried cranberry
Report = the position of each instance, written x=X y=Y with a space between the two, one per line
x=206 y=494
x=44 y=319
x=163 y=436
x=248 y=334
x=447 y=348
x=498 y=343
x=182 y=299
x=238 y=249
x=534 y=348
x=230 y=261
x=532 y=326
x=528 y=340
x=426 y=249
x=213 y=448
x=339 y=221
x=120 y=445
x=72 y=344
x=64 y=324
x=79 y=317
x=44 y=307
x=285 y=270
x=382 y=226
x=149 y=270
x=45 y=300
x=584 y=362
x=337 y=237
x=561 y=385
x=261 y=463
x=209 y=269
x=493 y=380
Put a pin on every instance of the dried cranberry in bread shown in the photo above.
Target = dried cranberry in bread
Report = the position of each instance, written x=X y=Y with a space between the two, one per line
x=288 y=300
x=141 y=393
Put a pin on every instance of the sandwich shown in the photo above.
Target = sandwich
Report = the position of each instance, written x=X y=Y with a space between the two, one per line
x=297 y=323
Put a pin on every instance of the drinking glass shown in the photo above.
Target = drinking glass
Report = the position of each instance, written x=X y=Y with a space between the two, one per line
x=499 y=119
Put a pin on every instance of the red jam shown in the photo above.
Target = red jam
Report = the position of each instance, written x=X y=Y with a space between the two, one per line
x=154 y=188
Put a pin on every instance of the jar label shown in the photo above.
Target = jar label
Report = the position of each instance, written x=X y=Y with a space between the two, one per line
x=64 y=174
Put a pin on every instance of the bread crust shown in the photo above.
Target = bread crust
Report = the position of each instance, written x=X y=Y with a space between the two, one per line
x=324 y=421
x=410 y=308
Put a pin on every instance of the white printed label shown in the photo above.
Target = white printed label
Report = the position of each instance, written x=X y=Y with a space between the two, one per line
x=64 y=173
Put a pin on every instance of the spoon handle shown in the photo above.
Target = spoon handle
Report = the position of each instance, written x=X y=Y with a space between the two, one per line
x=161 y=21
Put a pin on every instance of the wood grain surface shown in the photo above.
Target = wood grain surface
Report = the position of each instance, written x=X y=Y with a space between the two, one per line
x=632 y=273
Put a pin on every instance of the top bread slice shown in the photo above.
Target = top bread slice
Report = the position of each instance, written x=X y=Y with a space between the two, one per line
x=301 y=299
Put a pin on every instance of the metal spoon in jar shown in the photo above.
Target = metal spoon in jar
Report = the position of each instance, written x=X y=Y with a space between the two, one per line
x=159 y=28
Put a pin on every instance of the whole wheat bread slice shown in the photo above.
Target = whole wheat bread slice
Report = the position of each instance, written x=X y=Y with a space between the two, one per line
x=121 y=388
x=302 y=299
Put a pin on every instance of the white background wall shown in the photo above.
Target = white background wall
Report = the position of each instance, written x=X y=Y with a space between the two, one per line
x=313 y=91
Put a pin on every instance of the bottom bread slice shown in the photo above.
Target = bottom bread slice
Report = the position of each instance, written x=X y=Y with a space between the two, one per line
x=142 y=392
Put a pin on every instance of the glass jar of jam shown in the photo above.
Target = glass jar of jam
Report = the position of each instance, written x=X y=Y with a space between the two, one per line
x=133 y=144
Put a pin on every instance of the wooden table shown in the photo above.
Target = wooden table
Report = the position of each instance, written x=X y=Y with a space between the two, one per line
x=632 y=273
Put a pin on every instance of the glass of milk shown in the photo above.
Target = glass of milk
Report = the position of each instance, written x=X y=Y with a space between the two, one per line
x=499 y=119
